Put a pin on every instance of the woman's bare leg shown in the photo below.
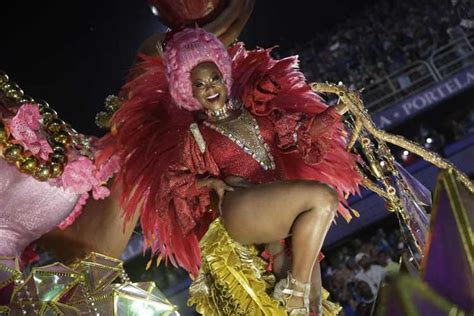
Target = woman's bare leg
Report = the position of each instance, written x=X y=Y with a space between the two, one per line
x=281 y=266
x=316 y=284
x=270 y=212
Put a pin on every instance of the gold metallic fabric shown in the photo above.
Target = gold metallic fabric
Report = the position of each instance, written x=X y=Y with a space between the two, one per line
x=329 y=308
x=233 y=280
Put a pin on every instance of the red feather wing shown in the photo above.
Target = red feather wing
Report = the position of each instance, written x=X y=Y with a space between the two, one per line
x=160 y=162
x=268 y=86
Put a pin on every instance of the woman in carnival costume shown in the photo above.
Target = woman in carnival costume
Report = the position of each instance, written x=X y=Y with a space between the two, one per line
x=223 y=150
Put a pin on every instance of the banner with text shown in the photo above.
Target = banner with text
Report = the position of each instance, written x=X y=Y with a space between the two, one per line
x=400 y=112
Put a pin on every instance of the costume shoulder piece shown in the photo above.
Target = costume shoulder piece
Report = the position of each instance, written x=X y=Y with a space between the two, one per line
x=194 y=128
x=162 y=155
x=278 y=90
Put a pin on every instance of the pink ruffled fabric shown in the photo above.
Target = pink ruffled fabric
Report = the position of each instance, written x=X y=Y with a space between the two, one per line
x=76 y=211
x=79 y=176
x=82 y=176
x=109 y=168
x=25 y=127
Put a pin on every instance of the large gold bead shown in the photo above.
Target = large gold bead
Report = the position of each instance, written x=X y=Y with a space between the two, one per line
x=59 y=157
x=42 y=172
x=3 y=77
x=26 y=99
x=14 y=93
x=13 y=86
x=55 y=125
x=13 y=152
x=4 y=86
x=56 y=169
x=28 y=165
x=62 y=137
x=42 y=104
x=48 y=115
x=3 y=133
x=72 y=131
x=58 y=147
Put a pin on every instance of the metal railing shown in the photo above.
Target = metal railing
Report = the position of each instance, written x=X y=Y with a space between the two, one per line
x=453 y=57
x=399 y=85
x=444 y=62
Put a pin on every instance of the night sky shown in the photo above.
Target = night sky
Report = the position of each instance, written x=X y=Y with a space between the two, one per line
x=75 y=53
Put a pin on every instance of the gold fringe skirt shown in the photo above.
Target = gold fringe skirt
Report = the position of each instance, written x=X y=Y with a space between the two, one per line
x=233 y=280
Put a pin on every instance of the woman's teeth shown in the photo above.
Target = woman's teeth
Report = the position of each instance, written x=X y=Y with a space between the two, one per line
x=213 y=97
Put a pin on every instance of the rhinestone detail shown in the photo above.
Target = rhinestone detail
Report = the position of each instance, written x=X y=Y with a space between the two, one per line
x=248 y=138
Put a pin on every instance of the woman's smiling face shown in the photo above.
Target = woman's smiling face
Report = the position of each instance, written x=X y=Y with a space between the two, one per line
x=209 y=87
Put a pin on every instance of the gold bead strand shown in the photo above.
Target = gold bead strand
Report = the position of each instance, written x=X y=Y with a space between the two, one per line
x=60 y=137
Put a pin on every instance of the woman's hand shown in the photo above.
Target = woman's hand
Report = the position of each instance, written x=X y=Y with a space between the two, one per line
x=217 y=185
x=341 y=108
x=239 y=182
x=228 y=25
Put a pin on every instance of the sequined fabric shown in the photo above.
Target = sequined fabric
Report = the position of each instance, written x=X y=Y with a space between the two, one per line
x=232 y=160
x=245 y=132
x=277 y=132
x=300 y=133
x=28 y=209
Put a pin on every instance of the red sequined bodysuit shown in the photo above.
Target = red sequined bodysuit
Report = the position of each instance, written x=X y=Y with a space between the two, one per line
x=232 y=160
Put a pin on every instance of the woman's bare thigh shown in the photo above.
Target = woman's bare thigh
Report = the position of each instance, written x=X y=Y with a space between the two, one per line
x=265 y=213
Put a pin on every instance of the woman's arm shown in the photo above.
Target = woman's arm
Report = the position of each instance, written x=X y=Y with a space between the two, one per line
x=218 y=186
x=226 y=26
x=322 y=121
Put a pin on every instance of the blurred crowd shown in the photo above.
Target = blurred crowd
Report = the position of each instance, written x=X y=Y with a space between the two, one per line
x=386 y=36
x=463 y=126
x=354 y=273
x=435 y=131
